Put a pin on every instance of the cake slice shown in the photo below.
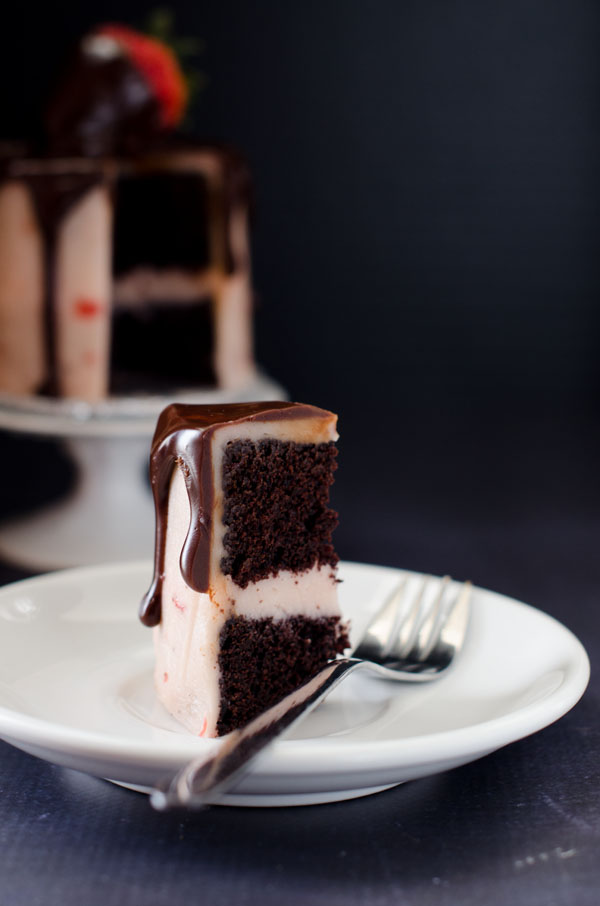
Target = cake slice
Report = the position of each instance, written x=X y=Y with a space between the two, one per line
x=244 y=596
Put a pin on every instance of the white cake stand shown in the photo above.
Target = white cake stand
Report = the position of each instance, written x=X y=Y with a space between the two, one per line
x=109 y=514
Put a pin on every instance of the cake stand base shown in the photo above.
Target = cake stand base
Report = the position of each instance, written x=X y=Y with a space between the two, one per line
x=109 y=514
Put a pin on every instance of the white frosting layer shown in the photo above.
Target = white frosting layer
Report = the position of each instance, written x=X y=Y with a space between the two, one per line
x=22 y=348
x=187 y=639
x=234 y=352
x=142 y=285
x=312 y=593
x=83 y=297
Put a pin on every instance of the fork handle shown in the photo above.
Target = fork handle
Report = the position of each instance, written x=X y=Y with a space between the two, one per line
x=204 y=780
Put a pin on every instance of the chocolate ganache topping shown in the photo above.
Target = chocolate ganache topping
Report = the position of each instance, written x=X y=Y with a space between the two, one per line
x=102 y=105
x=183 y=437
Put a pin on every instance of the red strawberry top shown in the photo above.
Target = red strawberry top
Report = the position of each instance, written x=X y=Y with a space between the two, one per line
x=159 y=67
x=119 y=92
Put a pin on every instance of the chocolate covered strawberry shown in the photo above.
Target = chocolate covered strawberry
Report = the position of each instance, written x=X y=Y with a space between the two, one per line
x=158 y=65
x=121 y=90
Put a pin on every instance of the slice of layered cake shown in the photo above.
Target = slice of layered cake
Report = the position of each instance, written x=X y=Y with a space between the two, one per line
x=244 y=596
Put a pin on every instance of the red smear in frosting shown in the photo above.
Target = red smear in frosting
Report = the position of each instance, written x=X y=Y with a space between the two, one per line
x=203 y=730
x=177 y=604
x=87 y=308
x=165 y=677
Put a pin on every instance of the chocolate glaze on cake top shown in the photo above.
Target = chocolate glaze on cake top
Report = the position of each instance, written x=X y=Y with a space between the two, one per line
x=183 y=437
x=101 y=107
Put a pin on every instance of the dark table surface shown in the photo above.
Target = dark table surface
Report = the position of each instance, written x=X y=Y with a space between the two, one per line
x=513 y=503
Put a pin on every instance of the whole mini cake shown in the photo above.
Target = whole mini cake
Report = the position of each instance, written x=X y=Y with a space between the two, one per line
x=124 y=251
x=244 y=597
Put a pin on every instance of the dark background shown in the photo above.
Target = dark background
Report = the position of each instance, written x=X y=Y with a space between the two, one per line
x=426 y=264
x=426 y=237
x=426 y=178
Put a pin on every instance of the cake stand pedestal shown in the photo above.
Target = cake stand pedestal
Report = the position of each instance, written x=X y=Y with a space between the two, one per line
x=109 y=514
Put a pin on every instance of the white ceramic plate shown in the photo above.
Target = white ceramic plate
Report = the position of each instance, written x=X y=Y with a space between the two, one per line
x=76 y=689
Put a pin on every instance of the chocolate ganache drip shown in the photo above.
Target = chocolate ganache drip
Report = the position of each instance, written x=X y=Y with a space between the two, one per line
x=56 y=186
x=183 y=437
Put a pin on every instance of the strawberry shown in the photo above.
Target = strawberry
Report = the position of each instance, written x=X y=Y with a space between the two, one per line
x=158 y=65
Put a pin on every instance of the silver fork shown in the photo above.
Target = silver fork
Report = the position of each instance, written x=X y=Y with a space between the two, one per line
x=414 y=637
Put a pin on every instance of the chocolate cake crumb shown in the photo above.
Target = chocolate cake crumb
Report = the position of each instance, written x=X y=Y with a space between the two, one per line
x=262 y=661
x=276 y=508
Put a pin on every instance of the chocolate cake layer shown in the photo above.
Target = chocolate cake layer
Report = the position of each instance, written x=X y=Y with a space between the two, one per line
x=261 y=661
x=162 y=220
x=276 y=497
x=138 y=333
